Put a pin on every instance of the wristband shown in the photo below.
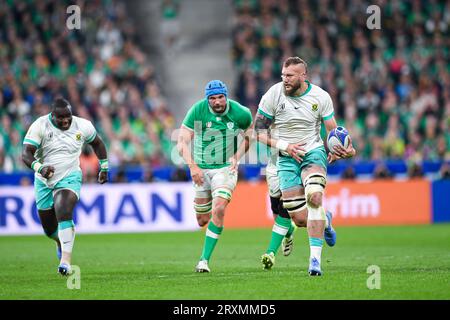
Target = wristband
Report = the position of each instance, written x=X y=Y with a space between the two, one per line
x=104 y=165
x=36 y=166
x=282 y=145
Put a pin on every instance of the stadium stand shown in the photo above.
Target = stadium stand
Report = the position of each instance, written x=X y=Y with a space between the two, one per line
x=100 y=69
x=390 y=88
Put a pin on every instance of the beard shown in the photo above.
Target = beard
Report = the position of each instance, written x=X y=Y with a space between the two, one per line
x=219 y=108
x=292 y=89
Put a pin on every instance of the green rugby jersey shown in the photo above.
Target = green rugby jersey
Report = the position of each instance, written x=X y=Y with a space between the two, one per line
x=216 y=134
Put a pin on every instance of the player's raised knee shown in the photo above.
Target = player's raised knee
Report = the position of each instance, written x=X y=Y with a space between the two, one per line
x=219 y=208
x=314 y=187
x=222 y=196
x=316 y=199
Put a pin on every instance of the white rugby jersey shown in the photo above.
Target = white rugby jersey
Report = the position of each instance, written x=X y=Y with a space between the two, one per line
x=297 y=119
x=59 y=148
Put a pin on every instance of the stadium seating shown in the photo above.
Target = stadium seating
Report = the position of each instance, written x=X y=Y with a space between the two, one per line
x=100 y=69
x=390 y=87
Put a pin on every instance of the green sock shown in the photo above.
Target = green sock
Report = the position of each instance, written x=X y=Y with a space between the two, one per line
x=212 y=235
x=279 y=230
x=291 y=230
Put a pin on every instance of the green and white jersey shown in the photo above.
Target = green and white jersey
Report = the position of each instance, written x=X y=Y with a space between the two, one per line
x=216 y=134
x=297 y=119
x=58 y=148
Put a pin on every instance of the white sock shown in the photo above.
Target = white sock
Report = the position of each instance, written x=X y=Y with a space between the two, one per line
x=315 y=246
x=315 y=252
x=66 y=236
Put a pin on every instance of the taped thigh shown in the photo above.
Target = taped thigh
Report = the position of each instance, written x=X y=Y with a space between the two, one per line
x=204 y=208
x=294 y=204
x=222 y=192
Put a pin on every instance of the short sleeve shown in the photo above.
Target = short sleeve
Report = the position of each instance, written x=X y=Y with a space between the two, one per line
x=248 y=119
x=89 y=132
x=190 y=118
x=34 y=135
x=267 y=104
x=327 y=108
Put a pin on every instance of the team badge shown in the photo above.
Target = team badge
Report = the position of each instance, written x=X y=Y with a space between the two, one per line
x=230 y=125
x=314 y=107
x=78 y=136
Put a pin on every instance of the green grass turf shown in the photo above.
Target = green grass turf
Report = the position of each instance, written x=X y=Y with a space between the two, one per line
x=414 y=263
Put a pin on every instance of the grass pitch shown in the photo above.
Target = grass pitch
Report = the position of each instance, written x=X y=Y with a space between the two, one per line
x=414 y=262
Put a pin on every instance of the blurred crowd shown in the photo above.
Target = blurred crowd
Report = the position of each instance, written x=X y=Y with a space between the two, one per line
x=99 y=69
x=390 y=87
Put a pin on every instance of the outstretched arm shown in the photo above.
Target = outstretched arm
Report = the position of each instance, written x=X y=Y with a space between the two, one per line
x=100 y=150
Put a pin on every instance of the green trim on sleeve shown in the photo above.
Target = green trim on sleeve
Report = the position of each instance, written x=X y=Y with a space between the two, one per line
x=103 y=165
x=29 y=141
x=329 y=116
x=91 y=138
x=51 y=121
x=32 y=164
x=265 y=114
x=186 y=126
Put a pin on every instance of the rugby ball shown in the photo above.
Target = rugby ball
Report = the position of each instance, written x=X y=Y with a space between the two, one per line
x=338 y=136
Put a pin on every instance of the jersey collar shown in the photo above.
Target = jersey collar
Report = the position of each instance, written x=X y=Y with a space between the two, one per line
x=51 y=120
x=220 y=114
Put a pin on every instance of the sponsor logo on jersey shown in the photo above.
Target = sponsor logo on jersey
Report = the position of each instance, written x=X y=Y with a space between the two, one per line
x=50 y=135
x=209 y=124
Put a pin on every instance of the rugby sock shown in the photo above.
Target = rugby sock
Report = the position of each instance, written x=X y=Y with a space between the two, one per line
x=291 y=230
x=279 y=230
x=212 y=235
x=315 y=245
x=66 y=233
